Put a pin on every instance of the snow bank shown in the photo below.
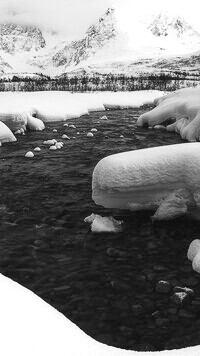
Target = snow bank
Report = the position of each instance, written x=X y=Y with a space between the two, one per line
x=182 y=108
x=165 y=179
x=31 y=327
x=5 y=134
x=16 y=107
x=103 y=224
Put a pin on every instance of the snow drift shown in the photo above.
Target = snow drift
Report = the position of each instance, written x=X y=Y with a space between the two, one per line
x=165 y=179
x=182 y=108
x=30 y=327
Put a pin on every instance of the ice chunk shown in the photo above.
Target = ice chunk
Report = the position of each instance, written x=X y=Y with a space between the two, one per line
x=182 y=108
x=166 y=179
x=103 y=224
x=6 y=134
x=37 y=149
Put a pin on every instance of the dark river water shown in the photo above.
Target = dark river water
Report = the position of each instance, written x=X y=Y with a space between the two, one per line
x=105 y=283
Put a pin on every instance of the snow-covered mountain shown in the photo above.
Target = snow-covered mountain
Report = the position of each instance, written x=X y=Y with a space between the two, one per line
x=105 y=47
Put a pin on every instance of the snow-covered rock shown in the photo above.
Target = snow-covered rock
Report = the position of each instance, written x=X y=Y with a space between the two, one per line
x=29 y=154
x=103 y=224
x=6 y=134
x=165 y=179
x=34 y=124
x=193 y=254
x=90 y=134
x=181 y=107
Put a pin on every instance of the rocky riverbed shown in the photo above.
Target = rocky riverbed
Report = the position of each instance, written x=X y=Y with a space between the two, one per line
x=135 y=289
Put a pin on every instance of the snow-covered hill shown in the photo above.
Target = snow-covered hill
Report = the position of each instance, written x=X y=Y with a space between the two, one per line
x=105 y=47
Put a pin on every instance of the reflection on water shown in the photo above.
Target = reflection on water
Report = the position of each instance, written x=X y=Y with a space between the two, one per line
x=104 y=283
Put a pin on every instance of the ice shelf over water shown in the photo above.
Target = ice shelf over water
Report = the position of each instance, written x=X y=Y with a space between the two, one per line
x=31 y=327
x=164 y=179
x=181 y=107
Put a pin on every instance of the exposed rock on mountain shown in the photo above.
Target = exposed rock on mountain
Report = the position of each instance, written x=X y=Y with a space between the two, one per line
x=19 y=38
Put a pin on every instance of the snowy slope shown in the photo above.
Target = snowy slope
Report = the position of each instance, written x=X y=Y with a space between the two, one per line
x=106 y=46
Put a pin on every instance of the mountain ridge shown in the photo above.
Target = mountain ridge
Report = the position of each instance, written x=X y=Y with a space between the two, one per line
x=104 y=45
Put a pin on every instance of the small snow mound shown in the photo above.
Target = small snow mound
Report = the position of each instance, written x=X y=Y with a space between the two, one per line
x=37 y=149
x=66 y=125
x=65 y=137
x=49 y=142
x=90 y=134
x=121 y=136
x=55 y=130
x=93 y=130
x=29 y=154
x=72 y=126
x=59 y=145
x=103 y=224
x=104 y=117
x=53 y=148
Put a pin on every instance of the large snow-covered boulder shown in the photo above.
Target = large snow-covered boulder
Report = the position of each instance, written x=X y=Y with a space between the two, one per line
x=6 y=134
x=31 y=327
x=165 y=179
x=182 y=108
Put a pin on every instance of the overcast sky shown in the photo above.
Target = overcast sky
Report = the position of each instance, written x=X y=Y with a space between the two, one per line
x=72 y=17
